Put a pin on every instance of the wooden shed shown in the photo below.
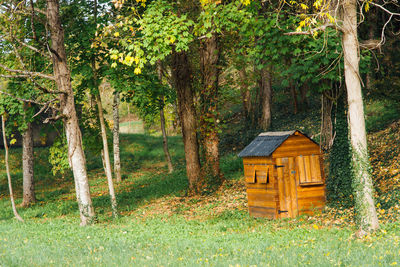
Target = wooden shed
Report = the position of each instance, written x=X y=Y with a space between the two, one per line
x=284 y=175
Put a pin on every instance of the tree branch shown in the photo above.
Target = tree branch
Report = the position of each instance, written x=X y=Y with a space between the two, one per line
x=55 y=118
x=29 y=73
x=45 y=107
x=22 y=99
x=33 y=48
x=14 y=76
x=312 y=31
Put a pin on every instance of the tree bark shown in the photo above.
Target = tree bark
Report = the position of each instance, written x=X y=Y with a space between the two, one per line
x=303 y=96
x=165 y=140
x=181 y=75
x=62 y=76
x=209 y=121
x=245 y=92
x=116 y=147
x=326 y=126
x=365 y=207
x=294 y=97
x=27 y=167
x=3 y=126
x=107 y=161
x=266 y=98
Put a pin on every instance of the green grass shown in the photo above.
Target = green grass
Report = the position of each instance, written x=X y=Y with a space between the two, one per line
x=234 y=239
x=380 y=113
x=161 y=227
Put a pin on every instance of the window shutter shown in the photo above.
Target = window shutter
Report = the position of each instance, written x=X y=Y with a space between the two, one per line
x=249 y=174
x=262 y=175
x=309 y=169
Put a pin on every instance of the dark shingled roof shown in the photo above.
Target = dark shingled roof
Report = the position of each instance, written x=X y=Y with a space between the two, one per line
x=265 y=144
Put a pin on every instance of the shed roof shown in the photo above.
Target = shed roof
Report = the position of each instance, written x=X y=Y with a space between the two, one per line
x=266 y=143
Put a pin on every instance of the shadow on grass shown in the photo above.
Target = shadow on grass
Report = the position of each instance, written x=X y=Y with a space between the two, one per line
x=144 y=189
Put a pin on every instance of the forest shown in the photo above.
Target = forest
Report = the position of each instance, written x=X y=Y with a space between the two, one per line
x=123 y=123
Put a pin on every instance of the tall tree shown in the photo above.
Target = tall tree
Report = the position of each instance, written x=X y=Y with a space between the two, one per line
x=181 y=76
x=28 y=184
x=209 y=119
x=3 y=126
x=116 y=143
x=52 y=41
x=366 y=211
x=162 y=121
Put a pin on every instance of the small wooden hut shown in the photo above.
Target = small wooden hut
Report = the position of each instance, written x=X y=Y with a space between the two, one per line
x=284 y=175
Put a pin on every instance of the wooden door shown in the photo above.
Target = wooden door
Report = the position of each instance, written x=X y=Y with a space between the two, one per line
x=287 y=188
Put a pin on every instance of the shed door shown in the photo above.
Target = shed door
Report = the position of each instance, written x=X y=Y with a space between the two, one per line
x=287 y=188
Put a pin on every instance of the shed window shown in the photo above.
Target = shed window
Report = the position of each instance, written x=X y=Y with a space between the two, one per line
x=258 y=174
x=309 y=169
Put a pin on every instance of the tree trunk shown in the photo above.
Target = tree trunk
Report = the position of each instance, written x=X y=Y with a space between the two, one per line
x=303 y=96
x=117 y=159
x=209 y=122
x=371 y=35
x=162 y=122
x=107 y=161
x=27 y=167
x=266 y=89
x=181 y=77
x=3 y=126
x=245 y=92
x=62 y=76
x=165 y=140
x=365 y=207
x=326 y=117
x=294 y=97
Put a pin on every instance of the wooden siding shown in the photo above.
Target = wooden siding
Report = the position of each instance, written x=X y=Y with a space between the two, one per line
x=262 y=189
x=296 y=145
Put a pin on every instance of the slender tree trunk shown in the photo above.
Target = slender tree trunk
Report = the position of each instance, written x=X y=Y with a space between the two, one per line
x=303 y=96
x=165 y=140
x=245 y=92
x=107 y=161
x=371 y=35
x=27 y=167
x=162 y=122
x=62 y=75
x=294 y=97
x=266 y=89
x=116 y=147
x=176 y=123
x=3 y=126
x=327 y=126
x=365 y=207
x=209 y=53
x=181 y=77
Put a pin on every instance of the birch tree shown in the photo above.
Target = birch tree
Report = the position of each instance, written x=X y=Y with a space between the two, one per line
x=49 y=43
x=343 y=16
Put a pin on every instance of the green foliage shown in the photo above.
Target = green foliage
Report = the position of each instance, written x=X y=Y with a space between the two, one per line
x=58 y=156
x=339 y=183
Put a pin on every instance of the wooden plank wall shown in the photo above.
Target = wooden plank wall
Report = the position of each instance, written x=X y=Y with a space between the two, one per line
x=262 y=197
x=296 y=145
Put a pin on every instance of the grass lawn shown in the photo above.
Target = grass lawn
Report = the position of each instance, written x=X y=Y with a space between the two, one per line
x=160 y=226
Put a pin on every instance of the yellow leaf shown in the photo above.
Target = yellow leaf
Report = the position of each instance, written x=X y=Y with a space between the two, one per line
x=13 y=141
x=116 y=34
x=137 y=71
x=366 y=7
x=113 y=65
x=315 y=226
x=303 y=6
